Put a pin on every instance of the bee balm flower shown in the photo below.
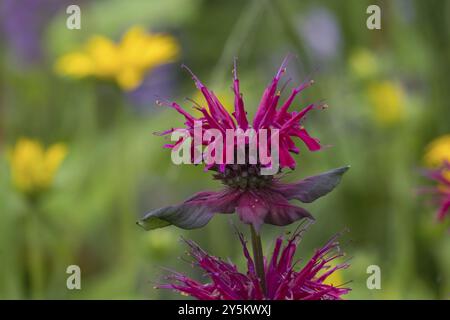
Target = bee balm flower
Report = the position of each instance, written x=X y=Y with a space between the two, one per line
x=256 y=198
x=283 y=281
x=437 y=156
x=442 y=189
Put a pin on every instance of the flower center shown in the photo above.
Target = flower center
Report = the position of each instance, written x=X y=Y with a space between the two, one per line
x=244 y=176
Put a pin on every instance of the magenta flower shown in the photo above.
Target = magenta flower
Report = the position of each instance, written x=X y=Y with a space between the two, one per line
x=256 y=198
x=283 y=282
x=267 y=117
x=442 y=189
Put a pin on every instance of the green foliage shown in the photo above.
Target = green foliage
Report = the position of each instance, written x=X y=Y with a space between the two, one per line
x=116 y=169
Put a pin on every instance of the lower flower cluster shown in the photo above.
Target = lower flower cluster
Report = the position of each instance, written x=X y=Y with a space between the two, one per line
x=283 y=281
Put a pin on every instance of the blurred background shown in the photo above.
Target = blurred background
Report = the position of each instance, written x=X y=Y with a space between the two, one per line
x=79 y=163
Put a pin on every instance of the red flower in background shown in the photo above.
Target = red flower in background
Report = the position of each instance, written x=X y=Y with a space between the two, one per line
x=442 y=188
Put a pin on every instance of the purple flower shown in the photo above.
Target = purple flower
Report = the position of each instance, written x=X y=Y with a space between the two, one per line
x=282 y=279
x=442 y=189
x=24 y=23
x=160 y=82
x=322 y=34
x=256 y=198
x=268 y=117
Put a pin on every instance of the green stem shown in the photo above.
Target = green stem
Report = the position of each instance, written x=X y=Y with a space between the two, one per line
x=35 y=257
x=109 y=105
x=258 y=258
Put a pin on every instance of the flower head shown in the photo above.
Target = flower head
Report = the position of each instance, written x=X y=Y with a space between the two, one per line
x=363 y=63
x=442 y=189
x=257 y=198
x=438 y=151
x=388 y=101
x=125 y=62
x=32 y=167
x=437 y=157
x=284 y=281
x=24 y=23
x=271 y=114
x=321 y=32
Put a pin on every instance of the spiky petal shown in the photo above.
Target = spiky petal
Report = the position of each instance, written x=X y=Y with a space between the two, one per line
x=441 y=189
x=269 y=115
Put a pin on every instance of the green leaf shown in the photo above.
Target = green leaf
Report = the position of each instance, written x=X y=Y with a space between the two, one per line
x=312 y=188
x=185 y=216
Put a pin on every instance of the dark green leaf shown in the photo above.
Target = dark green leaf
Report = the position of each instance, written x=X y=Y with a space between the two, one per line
x=312 y=188
x=185 y=216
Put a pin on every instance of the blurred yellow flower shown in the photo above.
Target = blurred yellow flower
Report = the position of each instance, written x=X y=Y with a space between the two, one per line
x=363 y=63
x=438 y=151
x=125 y=62
x=388 y=101
x=33 y=168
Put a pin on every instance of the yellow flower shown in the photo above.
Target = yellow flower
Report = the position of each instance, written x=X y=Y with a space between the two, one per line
x=388 y=101
x=438 y=151
x=33 y=168
x=363 y=63
x=125 y=62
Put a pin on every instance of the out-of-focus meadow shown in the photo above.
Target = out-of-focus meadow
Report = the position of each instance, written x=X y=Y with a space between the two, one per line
x=79 y=163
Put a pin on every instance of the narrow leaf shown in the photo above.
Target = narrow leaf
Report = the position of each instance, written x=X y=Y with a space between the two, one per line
x=185 y=216
x=312 y=188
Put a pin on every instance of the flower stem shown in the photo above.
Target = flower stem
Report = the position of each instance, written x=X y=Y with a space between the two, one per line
x=35 y=258
x=258 y=258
